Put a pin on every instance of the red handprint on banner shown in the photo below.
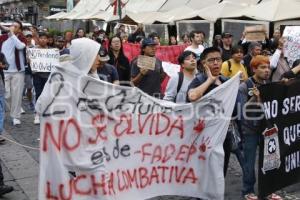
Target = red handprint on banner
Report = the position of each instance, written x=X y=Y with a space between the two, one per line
x=204 y=146
x=198 y=128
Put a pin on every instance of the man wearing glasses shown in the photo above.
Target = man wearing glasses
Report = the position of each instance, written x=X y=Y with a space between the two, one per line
x=211 y=59
x=208 y=80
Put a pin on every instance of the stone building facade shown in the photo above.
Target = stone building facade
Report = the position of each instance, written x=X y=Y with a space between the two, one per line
x=32 y=11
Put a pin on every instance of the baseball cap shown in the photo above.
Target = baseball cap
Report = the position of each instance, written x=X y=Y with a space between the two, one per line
x=148 y=42
x=103 y=54
x=226 y=34
x=27 y=33
x=60 y=39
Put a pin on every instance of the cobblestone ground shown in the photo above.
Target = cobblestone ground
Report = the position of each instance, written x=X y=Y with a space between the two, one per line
x=28 y=134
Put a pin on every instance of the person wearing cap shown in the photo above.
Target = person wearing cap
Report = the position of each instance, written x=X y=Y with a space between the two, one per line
x=226 y=46
x=177 y=87
x=28 y=74
x=60 y=44
x=196 y=38
x=148 y=80
x=105 y=71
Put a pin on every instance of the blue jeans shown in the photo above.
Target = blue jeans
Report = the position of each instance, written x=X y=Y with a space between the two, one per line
x=2 y=112
x=249 y=147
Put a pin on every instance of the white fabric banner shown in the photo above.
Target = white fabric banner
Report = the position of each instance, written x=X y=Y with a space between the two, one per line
x=43 y=60
x=170 y=68
x=125 y=145
x=292 y=43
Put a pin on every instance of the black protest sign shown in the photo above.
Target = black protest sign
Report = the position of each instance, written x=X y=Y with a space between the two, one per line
x=279 y=154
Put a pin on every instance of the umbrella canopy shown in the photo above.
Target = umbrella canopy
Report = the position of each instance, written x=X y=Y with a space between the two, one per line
x=219 y=10
x=275 y=10
x=56 y=16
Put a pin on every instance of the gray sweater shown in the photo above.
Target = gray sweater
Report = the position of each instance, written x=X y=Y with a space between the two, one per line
x=171 y=90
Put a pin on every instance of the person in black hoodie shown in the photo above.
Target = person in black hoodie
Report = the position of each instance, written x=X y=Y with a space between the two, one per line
x=119 y=60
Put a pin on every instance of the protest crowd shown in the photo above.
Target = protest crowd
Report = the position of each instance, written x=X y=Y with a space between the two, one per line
x=202 y=68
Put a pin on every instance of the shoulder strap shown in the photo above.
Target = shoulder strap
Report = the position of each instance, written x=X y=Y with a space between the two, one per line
x=250 y=84
x=180 y=81
x=229 y=66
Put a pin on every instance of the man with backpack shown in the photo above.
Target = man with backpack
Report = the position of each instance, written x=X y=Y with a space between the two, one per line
x=177 y=87
x=250 y=122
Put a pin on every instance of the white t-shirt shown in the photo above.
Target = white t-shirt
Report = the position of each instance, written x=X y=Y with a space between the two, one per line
x=197 y=51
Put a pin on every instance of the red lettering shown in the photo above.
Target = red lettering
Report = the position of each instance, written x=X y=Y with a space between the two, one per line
x=132 y=178
x=111 y=189
x=79 y=191
x=125 y=179
x=48 y=132
x=49 y=193
x=144 y=180
x=123 y=118
x=169 y=152
x=182 y=152
x=142 y=126
x=143 y=151
x=178 y=176
x=62 y=191
x=154 y=175
x=190 y=175
x=171 y=174
x=121 y=188
x=179 y=126
x=100 y=128
x=78 y=134
x=164 y=168
x=96 y=185
x=156 y=154
x=160 y=121
x=192 y=151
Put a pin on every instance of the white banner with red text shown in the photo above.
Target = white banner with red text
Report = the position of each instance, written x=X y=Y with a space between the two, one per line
x=125 y=145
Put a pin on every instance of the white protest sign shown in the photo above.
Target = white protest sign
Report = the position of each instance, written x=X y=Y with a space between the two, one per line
x=43 y=60
x=125 y=145
x=292 y=43
x=146 y=62
x=170 y=68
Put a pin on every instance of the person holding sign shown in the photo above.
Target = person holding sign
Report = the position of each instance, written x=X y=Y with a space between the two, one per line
x=146 y=70
x=250 y=124
x=279 y=63
x=205 y=82
x=40 y=78
x=13 y=45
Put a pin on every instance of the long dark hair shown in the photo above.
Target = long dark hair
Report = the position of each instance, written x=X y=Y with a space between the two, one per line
x=121 y=52
x=79 y=29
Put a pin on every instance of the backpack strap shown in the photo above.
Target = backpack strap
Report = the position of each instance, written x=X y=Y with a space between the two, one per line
x=180 y=81
x=250 y=84
x=229 y=66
